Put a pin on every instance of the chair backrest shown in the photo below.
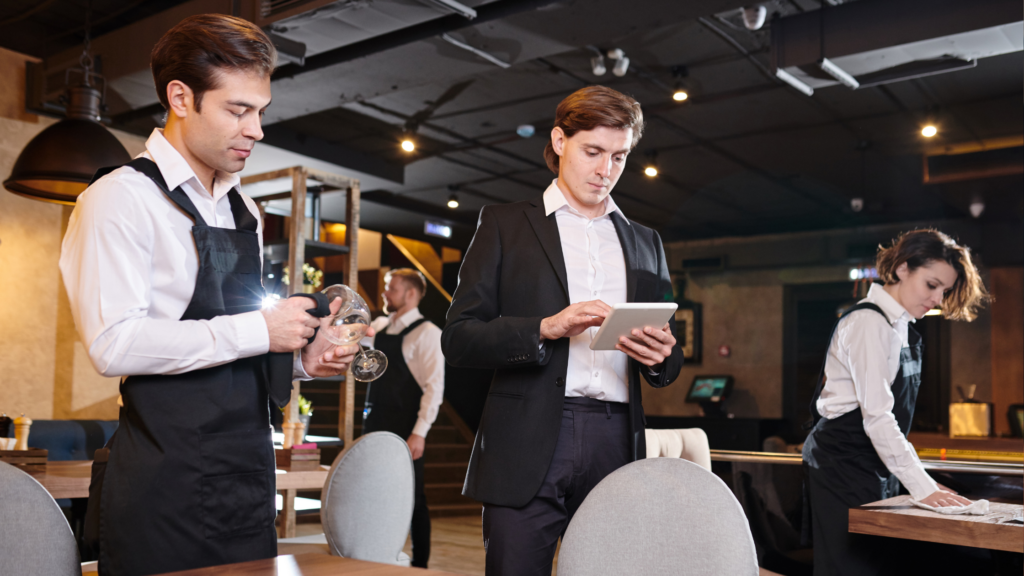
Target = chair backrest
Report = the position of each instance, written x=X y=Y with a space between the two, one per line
x=686 y=443
x=368 y=499
x=35 y=538
x=659 y=516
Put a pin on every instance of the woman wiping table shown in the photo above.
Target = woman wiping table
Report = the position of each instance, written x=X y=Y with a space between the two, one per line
x=858 y=451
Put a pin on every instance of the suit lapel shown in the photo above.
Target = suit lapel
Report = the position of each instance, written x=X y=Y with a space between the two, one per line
x=627 y=238
x=546 y=229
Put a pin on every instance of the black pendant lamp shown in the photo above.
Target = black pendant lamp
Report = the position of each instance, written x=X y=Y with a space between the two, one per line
x=58 y=164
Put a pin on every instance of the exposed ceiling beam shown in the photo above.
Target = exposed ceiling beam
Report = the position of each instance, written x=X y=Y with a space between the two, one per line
x=283 y=137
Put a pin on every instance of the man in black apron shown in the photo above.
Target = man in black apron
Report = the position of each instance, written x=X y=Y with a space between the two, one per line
x=405 y=400
x=845 y=471
x=189 y=481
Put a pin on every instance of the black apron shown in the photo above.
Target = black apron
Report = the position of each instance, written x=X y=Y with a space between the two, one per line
x=190 y=478
x=393 y=400
x=844 y=471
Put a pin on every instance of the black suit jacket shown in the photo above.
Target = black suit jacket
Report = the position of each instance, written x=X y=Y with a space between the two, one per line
x=514 y=276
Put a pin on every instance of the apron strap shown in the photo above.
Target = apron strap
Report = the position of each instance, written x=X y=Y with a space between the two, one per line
x=244 y=220
x=815 y=416
x=149 y=168
x=412 y=327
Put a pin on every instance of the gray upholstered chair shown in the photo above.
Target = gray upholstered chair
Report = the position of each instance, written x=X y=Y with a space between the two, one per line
x=659 y=516
x=366 y=505
x=34 y=535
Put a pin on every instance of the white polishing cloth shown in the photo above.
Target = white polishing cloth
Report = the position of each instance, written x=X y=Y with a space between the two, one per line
x=977 y=508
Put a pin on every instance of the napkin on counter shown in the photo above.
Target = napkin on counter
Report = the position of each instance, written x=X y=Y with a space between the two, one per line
x=976 y=508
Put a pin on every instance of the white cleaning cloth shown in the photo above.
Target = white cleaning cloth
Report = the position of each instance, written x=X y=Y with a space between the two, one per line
x=977 y=508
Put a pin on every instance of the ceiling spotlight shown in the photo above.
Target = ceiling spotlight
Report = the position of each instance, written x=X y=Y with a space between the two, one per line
x=408 y=145
x=651 y=170
x=597 y=65
x=453 y=201
x=977 y=207
x=753 y=17
x=856 y=204
x=525 y=130
x=929 y=131
x=680 y=95
x=621 y=66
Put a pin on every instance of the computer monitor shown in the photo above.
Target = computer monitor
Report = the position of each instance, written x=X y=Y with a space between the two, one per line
x=709 y=389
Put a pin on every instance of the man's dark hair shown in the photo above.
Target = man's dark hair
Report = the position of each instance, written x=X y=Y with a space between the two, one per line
x=591 y=107
x=199 y=47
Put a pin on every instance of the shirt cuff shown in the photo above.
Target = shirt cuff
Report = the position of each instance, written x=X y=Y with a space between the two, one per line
x=251 y=333
x=298 y=370
x=421 y=428
x=919 y=483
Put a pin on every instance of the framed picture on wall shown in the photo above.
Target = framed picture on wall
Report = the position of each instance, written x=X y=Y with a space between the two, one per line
x=688 y=325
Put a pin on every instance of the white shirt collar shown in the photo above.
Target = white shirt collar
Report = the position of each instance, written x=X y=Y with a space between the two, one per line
x=893 y=311
x=406 y=319
x=554 y=199
x=176 y=171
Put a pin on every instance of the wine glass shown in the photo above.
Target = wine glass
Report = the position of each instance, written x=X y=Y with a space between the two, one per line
x=348 y=326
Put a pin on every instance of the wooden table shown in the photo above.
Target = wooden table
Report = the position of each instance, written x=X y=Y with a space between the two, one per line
x=70 y=479
x=309 y=565
x=898 y=518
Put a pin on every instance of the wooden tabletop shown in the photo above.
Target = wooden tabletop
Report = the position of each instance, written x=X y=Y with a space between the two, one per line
x=70 y=479
x=309 y=565
x=898 y=518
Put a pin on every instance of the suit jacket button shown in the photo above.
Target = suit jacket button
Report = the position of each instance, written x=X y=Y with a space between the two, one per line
x=559 y=381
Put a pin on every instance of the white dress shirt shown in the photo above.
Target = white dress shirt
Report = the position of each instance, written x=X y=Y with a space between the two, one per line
x=595 y=268
x=862 y=362
x=421 y=350
x=129 y=264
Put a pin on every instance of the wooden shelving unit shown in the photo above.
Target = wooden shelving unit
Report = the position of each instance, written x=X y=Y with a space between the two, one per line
x=297 y=249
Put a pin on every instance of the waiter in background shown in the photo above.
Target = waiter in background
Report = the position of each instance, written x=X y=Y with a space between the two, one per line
x=162 y=265
x=405 y=400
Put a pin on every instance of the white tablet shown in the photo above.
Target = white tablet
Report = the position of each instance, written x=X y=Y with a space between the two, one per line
x=624 y=318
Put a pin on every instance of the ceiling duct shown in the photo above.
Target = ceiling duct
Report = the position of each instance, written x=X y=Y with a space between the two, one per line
x=974 y=160
x=874 y=42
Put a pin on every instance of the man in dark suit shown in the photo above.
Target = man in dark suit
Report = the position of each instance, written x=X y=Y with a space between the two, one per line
x=537 y=280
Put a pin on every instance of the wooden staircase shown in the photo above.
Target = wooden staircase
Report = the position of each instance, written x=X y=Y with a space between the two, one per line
x=449 y=444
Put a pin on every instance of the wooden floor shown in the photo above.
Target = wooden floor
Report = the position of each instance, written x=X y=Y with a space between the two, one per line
x=456 y=545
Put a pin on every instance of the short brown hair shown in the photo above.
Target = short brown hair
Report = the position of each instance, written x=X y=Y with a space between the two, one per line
x=412 y=278
x=199 y=46
x=920 y=248
x=591 y=107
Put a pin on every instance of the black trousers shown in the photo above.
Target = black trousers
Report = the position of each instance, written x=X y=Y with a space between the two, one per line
x=420 y=531
x=592 y=443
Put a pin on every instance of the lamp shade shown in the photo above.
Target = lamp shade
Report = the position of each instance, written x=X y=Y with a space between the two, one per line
x=57 y=165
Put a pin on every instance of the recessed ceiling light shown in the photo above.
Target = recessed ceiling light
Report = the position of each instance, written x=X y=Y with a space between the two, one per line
x=929 y=131
x=453 y=201
x=680 y=95
x=651 y=171
x=408 y=145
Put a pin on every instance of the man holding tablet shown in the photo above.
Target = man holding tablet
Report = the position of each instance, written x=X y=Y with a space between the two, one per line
x=537 y=280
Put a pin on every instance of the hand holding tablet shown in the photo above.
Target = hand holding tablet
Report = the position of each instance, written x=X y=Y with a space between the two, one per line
x=624 y=318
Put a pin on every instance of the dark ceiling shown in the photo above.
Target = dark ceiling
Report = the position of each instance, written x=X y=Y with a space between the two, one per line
x=746 y=154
